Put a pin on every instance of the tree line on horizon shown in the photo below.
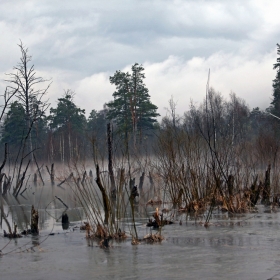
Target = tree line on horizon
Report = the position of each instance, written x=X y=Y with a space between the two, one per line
x=66 y=134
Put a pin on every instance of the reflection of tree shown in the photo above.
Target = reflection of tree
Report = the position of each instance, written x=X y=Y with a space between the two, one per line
x=18 y=210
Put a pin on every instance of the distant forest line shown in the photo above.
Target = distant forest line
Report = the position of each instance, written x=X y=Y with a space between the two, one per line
x=129 y=120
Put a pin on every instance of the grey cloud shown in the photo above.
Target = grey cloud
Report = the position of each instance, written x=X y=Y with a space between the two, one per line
x=89 y=37
x=96 y=27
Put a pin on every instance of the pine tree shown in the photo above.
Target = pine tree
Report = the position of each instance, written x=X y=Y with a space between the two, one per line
x=15 y=127
x=68 y=123
x=131 y=108
x=275 y=108
x=97 y=123
x=67 y=116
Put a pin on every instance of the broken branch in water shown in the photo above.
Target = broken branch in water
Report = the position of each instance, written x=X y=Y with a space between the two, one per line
x=66 y=179
x=38 y=168
x=61 y=201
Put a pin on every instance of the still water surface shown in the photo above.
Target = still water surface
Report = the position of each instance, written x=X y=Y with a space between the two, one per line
x=240 y=247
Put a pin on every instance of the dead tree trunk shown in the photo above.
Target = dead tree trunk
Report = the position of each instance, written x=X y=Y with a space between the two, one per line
x=110 y=163
x=266 y=187
x=141 y=183
x=5 y=158
x=120 y=196
x=51 y=173
x=178 y=201
x=132 y=197
x=106 y=203
x=84 y=178
x=131 y=183
x=39 y=172
x=230 y=183
x=67 y=179
x=6 y=185
x=20 y=181
x=255 y=192
x=113 y=191
x=152 y=185
x=34 y=221
x=2 y=180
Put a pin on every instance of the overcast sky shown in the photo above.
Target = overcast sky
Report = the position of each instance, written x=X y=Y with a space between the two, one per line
x=79 y=44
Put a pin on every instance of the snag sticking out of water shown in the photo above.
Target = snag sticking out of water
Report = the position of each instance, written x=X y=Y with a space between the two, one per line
x=135 y=241
x=13 y=234
x=34 y=226
x=65 y=221
x=158 y=221
x=34 y=221
x=104 y=243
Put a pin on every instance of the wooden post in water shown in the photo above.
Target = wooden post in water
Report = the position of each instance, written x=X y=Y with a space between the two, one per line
x=152 y=185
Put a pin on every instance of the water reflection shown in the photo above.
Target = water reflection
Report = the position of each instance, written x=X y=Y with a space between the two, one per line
x=233 y=247
x=51 y=203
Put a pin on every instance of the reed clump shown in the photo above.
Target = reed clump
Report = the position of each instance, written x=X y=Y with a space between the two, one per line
x=153 y=238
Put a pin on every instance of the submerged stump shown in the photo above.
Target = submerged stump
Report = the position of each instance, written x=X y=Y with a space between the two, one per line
x=65 y=221
x=34 y=221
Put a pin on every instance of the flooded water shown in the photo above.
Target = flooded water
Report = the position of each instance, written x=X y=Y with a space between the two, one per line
x=239 y=247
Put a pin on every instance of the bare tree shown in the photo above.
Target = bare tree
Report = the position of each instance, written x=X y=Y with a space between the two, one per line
x=25 y=81
x=7 y=96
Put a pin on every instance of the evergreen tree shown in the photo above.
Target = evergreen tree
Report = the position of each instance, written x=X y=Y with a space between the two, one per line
x=68 y=124
x=131 y=108
x=15 y=129
x=15 y=126
x=97 y=129
x=96 y=124
x=67 y=117
x=275 y=108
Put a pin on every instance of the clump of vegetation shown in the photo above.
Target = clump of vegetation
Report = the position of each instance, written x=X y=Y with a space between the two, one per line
x=153 y=238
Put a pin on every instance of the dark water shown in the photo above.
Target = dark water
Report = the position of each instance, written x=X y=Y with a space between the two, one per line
x=240 y=247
